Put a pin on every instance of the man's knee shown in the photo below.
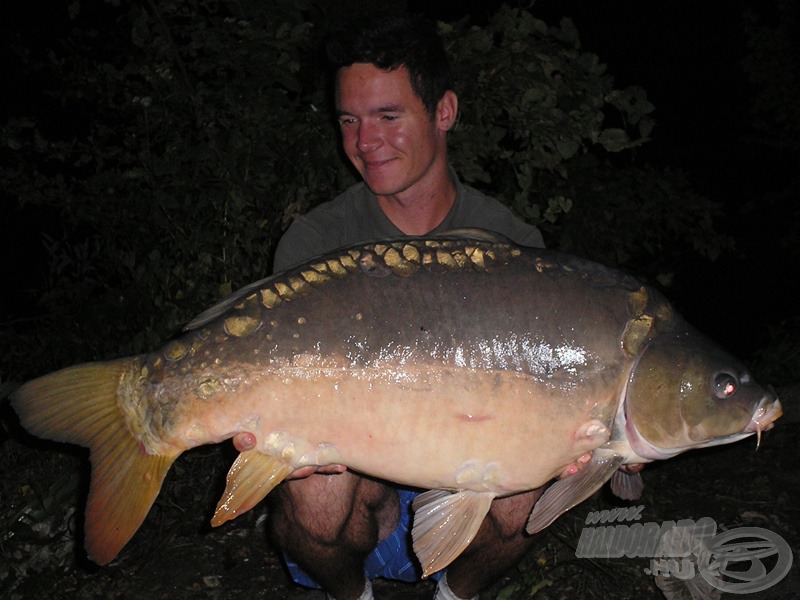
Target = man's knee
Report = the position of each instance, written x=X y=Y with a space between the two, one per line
x=508 y=516
x=330 y=510
x=316 y=507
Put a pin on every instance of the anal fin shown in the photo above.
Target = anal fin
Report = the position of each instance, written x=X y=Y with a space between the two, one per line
x=445 y=523
x=252 y=476
x=570 y=491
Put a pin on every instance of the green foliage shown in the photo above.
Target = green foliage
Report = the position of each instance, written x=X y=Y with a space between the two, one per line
x=532 y=101
x=540 y=124
x=188 y=147
x=182 y=136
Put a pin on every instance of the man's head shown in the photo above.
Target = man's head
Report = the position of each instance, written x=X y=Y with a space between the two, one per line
x=390 y=42
x=397 y=142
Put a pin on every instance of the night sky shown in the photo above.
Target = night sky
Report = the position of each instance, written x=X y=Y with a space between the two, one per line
x=686 y=54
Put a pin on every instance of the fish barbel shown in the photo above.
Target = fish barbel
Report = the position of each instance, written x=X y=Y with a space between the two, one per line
x=459 y=363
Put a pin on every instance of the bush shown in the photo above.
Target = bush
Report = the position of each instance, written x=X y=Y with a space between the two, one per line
x=182 y=137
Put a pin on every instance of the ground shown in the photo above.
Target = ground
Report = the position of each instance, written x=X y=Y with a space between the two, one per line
x=177 y=555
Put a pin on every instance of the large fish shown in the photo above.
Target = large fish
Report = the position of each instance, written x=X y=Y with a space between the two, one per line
x=461 y=364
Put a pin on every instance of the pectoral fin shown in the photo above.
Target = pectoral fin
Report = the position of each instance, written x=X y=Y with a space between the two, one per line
x=251 y=477
x=628 y=486
x=445 y=523
x=570 y=491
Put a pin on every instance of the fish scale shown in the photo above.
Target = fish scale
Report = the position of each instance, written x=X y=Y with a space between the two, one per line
x=460 y=363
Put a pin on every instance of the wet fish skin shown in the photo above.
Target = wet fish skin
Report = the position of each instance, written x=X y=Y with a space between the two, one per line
x=455 y=363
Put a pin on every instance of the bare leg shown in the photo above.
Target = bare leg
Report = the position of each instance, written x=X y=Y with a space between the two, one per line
x=500 y=543
x=330 y=523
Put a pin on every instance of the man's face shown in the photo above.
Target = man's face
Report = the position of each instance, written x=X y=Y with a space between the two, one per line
x=386 y=131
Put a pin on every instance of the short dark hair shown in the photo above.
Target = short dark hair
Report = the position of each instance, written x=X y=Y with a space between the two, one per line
x=389 y=42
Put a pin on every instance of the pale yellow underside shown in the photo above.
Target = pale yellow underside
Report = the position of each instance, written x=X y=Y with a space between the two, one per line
x=498 y=431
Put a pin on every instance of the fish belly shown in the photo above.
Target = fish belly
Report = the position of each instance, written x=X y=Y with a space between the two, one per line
x=498 y=431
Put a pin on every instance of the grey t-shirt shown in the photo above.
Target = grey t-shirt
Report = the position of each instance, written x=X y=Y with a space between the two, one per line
x=354 y=217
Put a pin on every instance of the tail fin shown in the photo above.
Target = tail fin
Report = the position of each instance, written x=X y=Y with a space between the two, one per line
x=79 y=405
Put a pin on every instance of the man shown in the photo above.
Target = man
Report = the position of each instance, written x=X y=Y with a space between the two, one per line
x=395 y=106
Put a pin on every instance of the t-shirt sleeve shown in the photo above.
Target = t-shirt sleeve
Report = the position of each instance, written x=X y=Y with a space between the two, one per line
x=484 y=212
x=526 y=234
x=325 y=228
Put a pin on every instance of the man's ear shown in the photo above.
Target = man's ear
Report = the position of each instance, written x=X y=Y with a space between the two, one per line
x=447 y=111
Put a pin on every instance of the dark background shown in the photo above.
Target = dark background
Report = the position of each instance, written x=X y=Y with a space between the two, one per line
x=686 y=55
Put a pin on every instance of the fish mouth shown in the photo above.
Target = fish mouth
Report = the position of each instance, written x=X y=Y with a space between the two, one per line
x=764 y=417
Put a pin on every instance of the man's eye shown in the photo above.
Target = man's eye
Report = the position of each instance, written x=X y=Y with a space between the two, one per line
x=346 y=121
x=389 y=117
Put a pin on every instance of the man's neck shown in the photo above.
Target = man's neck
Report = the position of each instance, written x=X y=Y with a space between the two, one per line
x=421 y=209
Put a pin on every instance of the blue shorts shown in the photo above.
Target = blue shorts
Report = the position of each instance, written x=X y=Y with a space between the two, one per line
x=393 y=558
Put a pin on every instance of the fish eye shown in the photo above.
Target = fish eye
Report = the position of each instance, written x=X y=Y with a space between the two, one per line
x=724 y=385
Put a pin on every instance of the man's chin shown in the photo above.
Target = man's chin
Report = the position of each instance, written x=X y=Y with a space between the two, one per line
x=382 y=188
x=383 y=180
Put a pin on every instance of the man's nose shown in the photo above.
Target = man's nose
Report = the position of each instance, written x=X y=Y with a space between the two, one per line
x=369 y=137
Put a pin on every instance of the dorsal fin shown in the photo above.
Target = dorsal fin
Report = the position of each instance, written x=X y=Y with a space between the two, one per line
x=225 y=304
x=473 y=233
x=465 y=233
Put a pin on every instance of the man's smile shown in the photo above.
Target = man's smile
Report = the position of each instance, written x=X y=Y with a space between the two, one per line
x=376 y=164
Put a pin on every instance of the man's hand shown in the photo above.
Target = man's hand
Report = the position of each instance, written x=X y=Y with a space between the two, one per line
x=326 y=470
x=247 y=441
x=584 y=459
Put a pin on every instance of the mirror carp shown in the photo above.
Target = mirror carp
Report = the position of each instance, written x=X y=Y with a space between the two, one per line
x=458 y=363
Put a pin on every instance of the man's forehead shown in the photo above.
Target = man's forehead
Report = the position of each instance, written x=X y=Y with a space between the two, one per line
x=345 y=107
x=366 y=69
x=370 y=88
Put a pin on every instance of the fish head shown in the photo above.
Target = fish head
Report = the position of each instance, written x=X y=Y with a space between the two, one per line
x=685 y=392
